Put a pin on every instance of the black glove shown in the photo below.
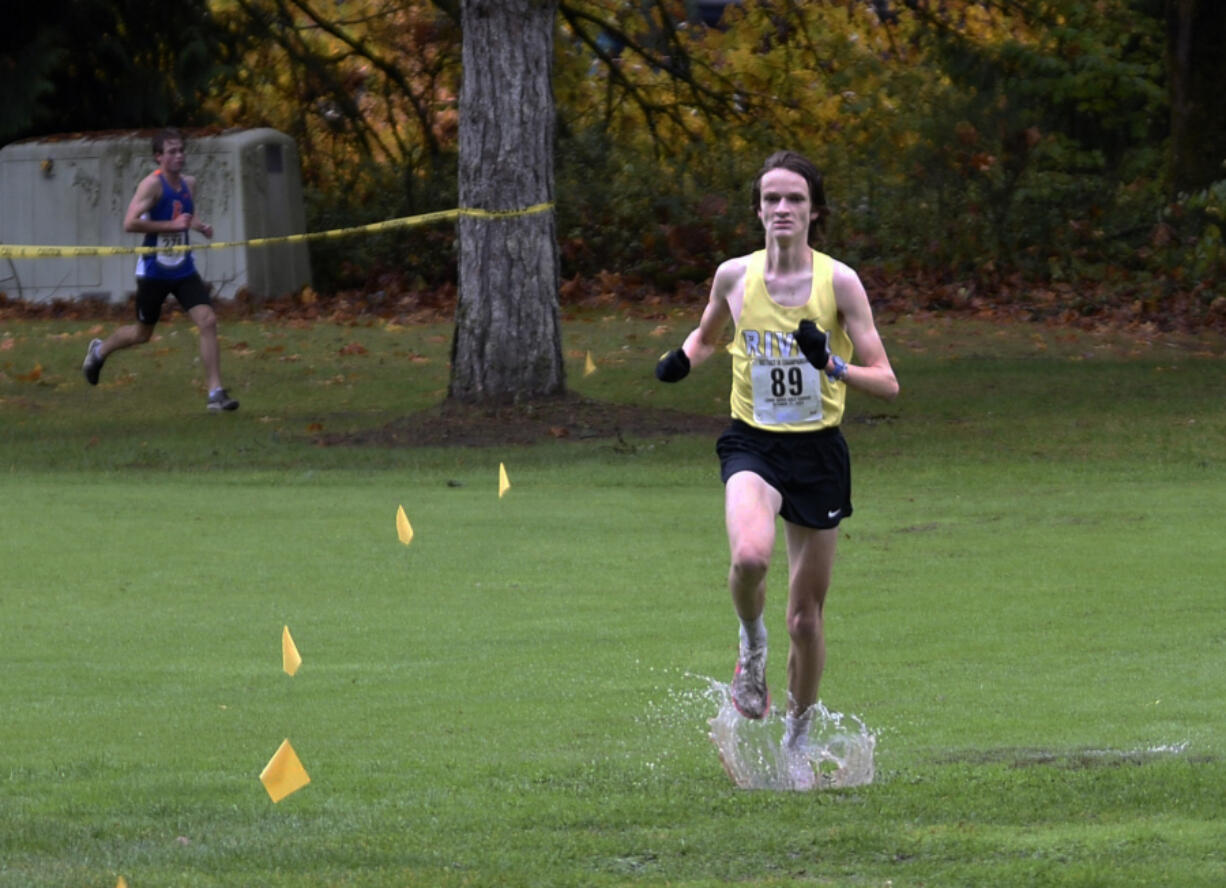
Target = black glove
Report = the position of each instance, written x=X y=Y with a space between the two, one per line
x=813 y=344
x=674 y=366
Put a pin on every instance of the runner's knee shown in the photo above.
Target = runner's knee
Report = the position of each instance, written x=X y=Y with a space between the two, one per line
x=805 y=622
x=749 y=561
x=206 y=321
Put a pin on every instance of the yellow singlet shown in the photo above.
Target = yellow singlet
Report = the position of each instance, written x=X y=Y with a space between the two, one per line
x=773 y=386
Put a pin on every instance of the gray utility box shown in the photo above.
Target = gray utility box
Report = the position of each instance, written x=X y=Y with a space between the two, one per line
x=74 y=191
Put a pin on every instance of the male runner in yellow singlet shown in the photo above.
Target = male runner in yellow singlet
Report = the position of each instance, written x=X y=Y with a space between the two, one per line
x=799 y=317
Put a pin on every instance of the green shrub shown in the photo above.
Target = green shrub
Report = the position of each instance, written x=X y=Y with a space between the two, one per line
x=415 y=258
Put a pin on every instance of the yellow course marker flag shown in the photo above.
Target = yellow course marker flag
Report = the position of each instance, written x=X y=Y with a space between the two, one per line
x=290 y=658
x=503 y=484
x=284 y=773
x=404 y=529
x=589 y=366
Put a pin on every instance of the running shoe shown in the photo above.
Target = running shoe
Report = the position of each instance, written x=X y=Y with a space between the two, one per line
x=219 y=400
x=801 y=775
x=749 y=692
x=93 y=362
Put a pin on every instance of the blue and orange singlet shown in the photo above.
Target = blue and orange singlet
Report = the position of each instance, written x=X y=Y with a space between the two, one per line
x=168 y=266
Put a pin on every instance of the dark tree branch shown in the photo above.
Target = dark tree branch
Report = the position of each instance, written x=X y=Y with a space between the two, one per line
x=389 y=70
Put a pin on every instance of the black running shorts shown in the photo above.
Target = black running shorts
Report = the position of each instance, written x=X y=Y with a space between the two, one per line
x=190 y=291
x=811 y=470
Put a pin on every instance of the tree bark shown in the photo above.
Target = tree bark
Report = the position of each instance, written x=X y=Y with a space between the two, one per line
x=1196 y=70
x=508 y=342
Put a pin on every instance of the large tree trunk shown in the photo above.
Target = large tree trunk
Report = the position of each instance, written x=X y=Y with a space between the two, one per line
x=508 y=341
x=1196 y=68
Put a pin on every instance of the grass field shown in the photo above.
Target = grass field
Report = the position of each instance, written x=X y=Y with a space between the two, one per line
x=1027 y=612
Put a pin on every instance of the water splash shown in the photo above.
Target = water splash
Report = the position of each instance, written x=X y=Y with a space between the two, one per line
x=838 y=753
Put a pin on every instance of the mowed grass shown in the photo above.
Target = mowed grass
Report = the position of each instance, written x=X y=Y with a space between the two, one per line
x=1026 y=610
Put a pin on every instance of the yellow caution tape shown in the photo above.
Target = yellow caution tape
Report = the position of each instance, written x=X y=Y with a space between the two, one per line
x=19 y=251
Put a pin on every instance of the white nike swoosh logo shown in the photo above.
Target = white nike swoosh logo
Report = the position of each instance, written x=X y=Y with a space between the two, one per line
x=834 y=514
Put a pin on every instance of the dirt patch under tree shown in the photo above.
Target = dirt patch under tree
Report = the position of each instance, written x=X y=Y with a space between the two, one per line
x=567 y=417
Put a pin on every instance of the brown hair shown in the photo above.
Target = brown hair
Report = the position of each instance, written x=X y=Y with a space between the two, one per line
x=162 y=136
x=802 y=166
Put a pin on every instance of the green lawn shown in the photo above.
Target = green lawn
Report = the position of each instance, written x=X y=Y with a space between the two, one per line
x=1027 y=613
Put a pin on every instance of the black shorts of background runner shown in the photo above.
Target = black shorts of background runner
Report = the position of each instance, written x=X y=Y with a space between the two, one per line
x=189 y=291
x=811 y=470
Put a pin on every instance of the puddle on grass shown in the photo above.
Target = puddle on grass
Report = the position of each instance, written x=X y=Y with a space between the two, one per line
x=838 y=754
x=1067 y=759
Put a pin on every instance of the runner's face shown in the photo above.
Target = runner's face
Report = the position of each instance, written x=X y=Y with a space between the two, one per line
x=172 y=157
x=785 y=210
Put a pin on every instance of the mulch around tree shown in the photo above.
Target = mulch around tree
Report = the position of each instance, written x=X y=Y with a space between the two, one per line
x=567 y=417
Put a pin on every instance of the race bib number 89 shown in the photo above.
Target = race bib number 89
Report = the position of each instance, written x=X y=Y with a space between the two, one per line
x=785 y=391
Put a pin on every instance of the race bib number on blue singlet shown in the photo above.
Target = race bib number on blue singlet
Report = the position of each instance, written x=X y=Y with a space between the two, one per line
x=786 y=391
x=171 y=239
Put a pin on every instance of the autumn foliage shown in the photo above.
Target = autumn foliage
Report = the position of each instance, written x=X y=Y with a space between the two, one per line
x=990 y=147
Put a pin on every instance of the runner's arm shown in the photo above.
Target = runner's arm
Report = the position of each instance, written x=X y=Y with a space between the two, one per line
x=872 y=372
x=705 y=338
x=203 y=227
x=142 y=202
